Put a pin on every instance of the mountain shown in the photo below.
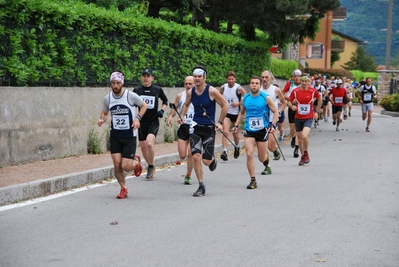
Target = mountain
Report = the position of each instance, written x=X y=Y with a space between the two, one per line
x=367 y=20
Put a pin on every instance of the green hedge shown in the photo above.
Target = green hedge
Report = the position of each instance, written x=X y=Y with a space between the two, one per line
x=55 y=43
x=283 y=68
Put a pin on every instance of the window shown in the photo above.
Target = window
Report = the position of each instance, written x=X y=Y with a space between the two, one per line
x=314 y=50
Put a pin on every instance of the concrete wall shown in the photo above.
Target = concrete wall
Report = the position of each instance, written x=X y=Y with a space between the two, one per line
x=42 y=123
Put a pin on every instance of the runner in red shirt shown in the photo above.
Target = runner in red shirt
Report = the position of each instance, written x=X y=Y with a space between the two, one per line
x=303 y=98
x=338 y=94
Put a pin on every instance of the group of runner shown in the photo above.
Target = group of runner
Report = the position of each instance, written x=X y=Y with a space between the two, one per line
x=262 y=109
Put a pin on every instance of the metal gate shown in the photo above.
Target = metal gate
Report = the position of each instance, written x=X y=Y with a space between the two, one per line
x=393 y=86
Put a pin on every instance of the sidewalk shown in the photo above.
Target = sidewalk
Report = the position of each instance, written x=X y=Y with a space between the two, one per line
x=32 y=180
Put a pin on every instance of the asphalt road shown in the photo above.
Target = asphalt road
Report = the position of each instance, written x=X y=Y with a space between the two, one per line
x=339 y=210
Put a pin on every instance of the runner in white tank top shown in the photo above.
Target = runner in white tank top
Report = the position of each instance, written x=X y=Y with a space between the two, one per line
x=184 y=130
x=277 y=96
x=232 y=92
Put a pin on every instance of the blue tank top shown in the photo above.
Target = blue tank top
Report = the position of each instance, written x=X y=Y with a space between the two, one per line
x=200 y=101
x=257 y=112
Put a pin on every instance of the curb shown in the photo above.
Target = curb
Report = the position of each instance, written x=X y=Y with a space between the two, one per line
x=56 y=184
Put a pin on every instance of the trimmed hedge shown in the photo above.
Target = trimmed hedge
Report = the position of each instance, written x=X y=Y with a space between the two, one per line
x=69 y=43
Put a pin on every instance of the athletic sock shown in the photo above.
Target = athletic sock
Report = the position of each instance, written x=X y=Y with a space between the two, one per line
x=266 y=162
x=201 y=184
x=253 y=178
x=151 y=166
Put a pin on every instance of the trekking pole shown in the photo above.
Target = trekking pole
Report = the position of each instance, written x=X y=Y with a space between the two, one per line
x=236 y=148
x=173 y=106
x=279 y=148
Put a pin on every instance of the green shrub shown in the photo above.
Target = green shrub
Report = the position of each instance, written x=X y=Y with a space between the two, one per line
x=283 y=68
x=94 y=142
x=390 y=102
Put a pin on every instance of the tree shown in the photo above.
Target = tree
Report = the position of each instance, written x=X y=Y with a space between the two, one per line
x=360 y=60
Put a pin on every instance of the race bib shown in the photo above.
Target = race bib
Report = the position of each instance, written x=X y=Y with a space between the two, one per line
x=338 y=100
x=120 y=122
x=367 y=97
x=256 y=123
x=230 y=101
x=149 y=100
x=303 y=109
x=188 y=117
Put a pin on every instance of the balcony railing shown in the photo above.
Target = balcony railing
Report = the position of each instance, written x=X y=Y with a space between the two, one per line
x=337 y=45
x=339 y=13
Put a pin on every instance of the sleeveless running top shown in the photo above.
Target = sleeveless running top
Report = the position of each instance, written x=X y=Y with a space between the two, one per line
x=257 y=112
x=200 y=101
x=188 y=117
x=230 y=94
x=122 y=114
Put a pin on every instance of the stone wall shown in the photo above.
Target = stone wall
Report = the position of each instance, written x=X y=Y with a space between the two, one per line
x=384 y=80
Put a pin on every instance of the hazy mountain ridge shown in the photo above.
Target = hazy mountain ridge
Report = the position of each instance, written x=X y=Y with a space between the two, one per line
x=367 y=20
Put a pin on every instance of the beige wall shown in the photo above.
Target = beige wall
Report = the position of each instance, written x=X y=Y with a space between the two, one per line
x=350 y=46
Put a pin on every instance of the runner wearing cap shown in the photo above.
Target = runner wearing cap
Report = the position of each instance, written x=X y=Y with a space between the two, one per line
x=288 y=88
x=150 y=122
x=337 y=96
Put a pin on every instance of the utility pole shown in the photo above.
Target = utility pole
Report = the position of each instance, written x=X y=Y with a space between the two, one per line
x=389 y=34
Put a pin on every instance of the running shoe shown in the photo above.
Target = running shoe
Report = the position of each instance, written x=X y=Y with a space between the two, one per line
x=337 y=129
x=213 y=165
x=367 y=129
x=293 y=142
x=315 y=124
x=252 y=184
x=123 y=193
x=236 y=152
x=349 y=113
x=334 y=122
x=138 y=169
x=277 y=155
x=280 y=139
x=296 y=154
x=150 y=173
x=267 y=171
x=200 y=192
x=187 y=180
x=306 y=158
x=223 y=156
x=345 y=117
x=302 y=161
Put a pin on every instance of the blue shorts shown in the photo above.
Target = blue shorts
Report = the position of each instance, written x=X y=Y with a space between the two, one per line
x=300 y=124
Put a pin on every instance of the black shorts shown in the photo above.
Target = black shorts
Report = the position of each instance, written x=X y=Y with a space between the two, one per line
x=147 y=128
x=325 y=101
x=291 y=115
x=203 y=137
x=124 y=146
x=233 y=118
x=336 y=109
x=300 y=124
x=183 y=132
x=281 y=118
x=260 y=136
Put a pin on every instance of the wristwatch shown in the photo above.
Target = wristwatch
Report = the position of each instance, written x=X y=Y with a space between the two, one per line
x=221 y=122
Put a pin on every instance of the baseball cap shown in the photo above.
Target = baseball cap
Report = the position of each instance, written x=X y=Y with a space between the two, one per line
x=339 y=81
x=147 y=71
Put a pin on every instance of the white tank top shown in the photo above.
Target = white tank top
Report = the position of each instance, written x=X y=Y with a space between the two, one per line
x=188 y=117
x=271 y=91
x=230 y=94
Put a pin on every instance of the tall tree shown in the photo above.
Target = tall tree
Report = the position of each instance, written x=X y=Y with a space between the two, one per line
x=360 y=60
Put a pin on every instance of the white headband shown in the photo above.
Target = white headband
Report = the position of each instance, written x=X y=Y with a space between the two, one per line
x=117 y=76
x=199 y=71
